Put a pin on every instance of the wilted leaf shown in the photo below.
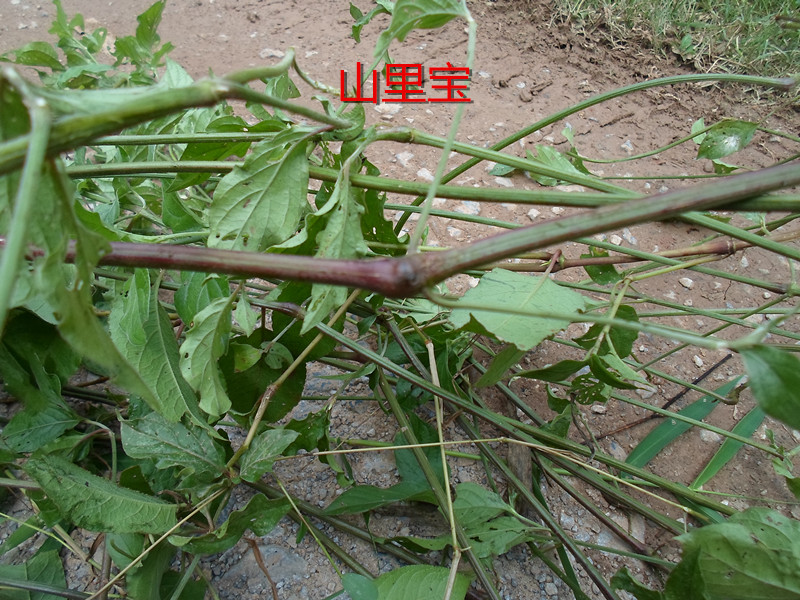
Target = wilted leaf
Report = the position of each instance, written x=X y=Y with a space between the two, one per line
x=501 y=289
x=95 y=503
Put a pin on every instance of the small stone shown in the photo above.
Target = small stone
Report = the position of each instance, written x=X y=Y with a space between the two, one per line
x=469 y=207
x=550 y=589
x=663 y=189
x=557 y=210
x=504 y=181
x=533 y=213
x=270 y=53
x=404 y=157
x=454 y=232
x=697 y=361
x=645 y=390
x=766 y=295
x=627 y=146
x=629 y=237
x=686 y=282
x=744 y=262
x=387 y=109
x=473 y=281
x=710 y=437
x=425 y=174
x=599 y=409
x=615 y=239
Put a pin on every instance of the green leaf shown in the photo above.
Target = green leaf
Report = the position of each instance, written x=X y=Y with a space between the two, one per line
x=95 y=503
x=263 y=452
x=260 y=515
x=143 y=333
x=196 y=292
x=357 y=586
x=420 y=582
x=260 y=203
x=745 y=428
x=364 y=498
x=500 y=289
x=205 y=343
x=670 y=429
x=35 y=54
x=43 y=568
x=341 y=238
x=755 y=555
x=601 y=274
x=554 y=373
x=622 y=338
x=547 y=156
x=623 y=580
x=501 y=363
x=416 y=14
x=30 y=429
x=245 y=316
x=174 y=445
x=774 y=379
x=725 y=138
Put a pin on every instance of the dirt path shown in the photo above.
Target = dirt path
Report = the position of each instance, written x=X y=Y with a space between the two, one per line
x=524 y=71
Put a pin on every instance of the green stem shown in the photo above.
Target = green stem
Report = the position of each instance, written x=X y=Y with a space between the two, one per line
x=785 y=84
x=25 y=200
x=436 y=487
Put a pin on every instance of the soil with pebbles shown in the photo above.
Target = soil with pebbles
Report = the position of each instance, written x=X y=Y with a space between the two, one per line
x=526 y=68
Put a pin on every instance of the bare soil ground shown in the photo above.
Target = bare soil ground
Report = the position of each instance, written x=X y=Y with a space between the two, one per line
x=526 y=68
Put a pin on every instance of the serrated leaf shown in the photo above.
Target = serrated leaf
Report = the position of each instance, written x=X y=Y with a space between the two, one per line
x=755 y=555
x=205 y=343
x=774 y=379
x=193 y=451
x=420 y=582
x=670 y=429
x=30 y=429
x=260 y=515
x=501 y=289
x=263 y=452
x=341 y=238
x=143 y=333
x=95 y=503
x=725 y=138
x=260 y=203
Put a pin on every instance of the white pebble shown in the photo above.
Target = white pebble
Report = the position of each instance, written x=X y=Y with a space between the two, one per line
x=697 y=361
x=615 y=239
x=686 y=282
x=557 y=210
x=469 y=207
x=504 y=181
x=425 y=174
x=404 y=157
x=533 y=213
x=710 y=437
